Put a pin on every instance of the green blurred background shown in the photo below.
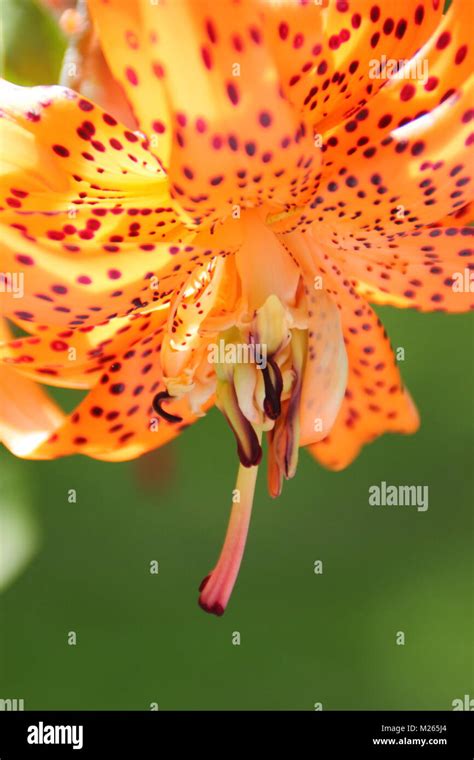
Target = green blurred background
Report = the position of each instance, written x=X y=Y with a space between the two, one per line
x=305 y=638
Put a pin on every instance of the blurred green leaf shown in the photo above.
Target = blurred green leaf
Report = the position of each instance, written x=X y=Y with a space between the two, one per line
x=32 y=43
x=18 y=526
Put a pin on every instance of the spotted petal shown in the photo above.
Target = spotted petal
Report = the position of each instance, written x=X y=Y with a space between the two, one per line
x=71 y=358
x=325 y=51
x=431 y=269
x=375 y=400
x=415 y=176
x=116 y=421
x=414 y=86
x=226 y=133
x=325 y=374
x=28 y=415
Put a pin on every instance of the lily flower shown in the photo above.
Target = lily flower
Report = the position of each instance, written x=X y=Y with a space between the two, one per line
x=227 y=251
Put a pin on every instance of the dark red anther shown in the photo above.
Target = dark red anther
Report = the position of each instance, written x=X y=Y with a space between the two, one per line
x=159 y=410
x=273 y=390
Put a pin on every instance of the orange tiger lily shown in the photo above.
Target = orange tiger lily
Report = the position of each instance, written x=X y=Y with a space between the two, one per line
x=275 y=187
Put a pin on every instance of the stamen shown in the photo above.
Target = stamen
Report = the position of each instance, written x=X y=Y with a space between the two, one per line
x=248 y=442
x=284 y=438
x=217 y=587
x=158 y=409
x=273 y=390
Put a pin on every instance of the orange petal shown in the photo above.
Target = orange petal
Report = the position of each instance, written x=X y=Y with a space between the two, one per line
x=89 y=245
x=71 y=173
x=431 y=269
x=324 y=54
x=325 y=375
x=28 y=415
x=438 y=69
x=87 y=289
x=52 y=134
x=116 y=421
x=420 y=173
x=464 y=215
x=234 y=137
x=71 y=358
x=129 y=46
x=415 y=176
x=375 y=401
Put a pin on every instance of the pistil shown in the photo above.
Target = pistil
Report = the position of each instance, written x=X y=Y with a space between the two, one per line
x=217 y=587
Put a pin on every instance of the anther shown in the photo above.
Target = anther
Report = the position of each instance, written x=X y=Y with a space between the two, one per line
x=159 y=410
x=273 y=390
